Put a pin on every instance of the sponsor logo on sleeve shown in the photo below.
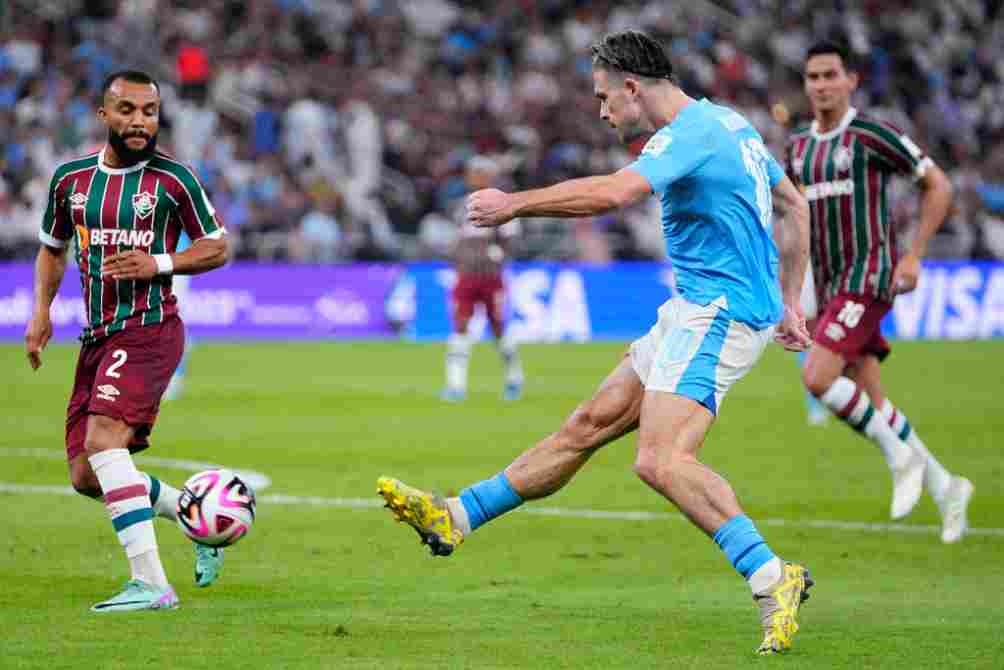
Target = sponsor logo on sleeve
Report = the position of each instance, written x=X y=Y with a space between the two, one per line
x=657 y=145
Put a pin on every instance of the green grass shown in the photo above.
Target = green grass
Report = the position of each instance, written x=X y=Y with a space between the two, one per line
x=335 y=587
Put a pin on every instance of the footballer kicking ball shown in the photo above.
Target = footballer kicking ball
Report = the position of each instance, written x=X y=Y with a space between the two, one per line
x=216 y=508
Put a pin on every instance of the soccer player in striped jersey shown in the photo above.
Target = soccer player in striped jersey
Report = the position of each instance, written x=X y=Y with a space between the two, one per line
x=478 y=257
x=125 y=206
x=843 y=161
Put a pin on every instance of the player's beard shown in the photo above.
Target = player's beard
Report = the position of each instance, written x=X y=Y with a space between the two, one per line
x=631 y=133
x=128 y=155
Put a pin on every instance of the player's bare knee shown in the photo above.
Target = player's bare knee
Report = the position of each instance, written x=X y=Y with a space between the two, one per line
x=815 y=383
x=104 y=433
x=84 y=482
x=659 y=465
x=646 y=466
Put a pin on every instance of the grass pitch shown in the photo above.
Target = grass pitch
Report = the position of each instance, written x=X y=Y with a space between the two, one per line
x=333 y=583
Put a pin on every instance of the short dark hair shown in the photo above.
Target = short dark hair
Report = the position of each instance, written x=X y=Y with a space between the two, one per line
x=835 y=48
x=633 y=52
x=133 y=76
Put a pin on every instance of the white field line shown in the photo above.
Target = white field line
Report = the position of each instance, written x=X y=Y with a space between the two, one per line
x=625 y=515
x=260 y=482
x=257 y=480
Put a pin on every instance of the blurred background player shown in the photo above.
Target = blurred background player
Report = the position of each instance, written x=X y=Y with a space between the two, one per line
x=180 y=285
x=843 y=160
x=479 y=256
x=125 y=205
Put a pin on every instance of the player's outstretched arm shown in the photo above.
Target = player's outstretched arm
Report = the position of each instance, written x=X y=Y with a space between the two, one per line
x=792 y=221
x=793 y=237
x=568 y=199
x=934 y=207
x=50 y=265
x=204 y=255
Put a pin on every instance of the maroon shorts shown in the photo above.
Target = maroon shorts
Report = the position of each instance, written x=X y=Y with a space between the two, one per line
x=850 y=325
x=472 y=289
x=123 y=377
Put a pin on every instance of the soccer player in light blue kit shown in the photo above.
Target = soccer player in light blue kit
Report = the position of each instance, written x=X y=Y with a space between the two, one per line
x=719 y=189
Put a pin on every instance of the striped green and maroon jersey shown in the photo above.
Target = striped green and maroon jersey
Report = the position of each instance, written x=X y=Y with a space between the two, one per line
x=144 y=207
x=843 y=174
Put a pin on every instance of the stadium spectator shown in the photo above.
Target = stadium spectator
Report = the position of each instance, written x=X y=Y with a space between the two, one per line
x=386 y=100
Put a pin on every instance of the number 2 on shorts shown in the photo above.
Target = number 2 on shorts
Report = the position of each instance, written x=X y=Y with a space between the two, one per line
x=120 y=357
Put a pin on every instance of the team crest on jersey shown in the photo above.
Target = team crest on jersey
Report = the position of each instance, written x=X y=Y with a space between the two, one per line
x=144 y=204
x=78 y=201
x=657 y=144
x=842 y=159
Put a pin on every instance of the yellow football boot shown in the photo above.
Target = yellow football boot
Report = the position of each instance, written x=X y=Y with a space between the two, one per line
x=779 y=608
x=425 y=512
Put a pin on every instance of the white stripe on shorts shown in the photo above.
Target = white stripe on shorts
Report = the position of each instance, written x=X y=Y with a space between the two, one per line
x=697 y=351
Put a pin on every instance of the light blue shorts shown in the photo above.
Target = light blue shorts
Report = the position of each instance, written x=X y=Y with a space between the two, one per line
x=697 y=352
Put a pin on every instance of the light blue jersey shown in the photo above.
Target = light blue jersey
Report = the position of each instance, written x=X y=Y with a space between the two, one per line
x=714 y=177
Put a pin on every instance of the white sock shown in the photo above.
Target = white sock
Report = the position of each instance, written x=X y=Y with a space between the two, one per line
x=936 y=477
x=128 y=504
x=147 y=568
x=163 y=497
x=851 y=403
x=459 y=515
x=458 y=354
x=766 y=575
x=510 y=359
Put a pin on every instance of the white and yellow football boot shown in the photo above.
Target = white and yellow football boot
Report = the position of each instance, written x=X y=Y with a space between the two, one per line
x=779 y=608
x=425 y=512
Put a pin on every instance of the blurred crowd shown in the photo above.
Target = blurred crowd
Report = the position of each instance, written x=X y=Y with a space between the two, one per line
x=337 y=130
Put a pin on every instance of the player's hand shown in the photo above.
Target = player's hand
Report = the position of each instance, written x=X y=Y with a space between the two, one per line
x=792 y=333
x=129 y=265
x=36 y=336
x=906 y=274
x=489 y=207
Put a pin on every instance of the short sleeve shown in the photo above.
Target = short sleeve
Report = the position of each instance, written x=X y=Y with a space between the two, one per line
x=668 y=157
x=893 y=149
x=774 y=171
x=197 y=214
x=57 y=228
x=789 y=162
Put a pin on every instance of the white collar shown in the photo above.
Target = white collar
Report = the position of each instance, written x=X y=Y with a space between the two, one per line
x=110 y=170
x=841 y=127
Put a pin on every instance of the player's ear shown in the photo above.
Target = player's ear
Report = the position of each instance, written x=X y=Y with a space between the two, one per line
x=854 y=79
x=632 y=86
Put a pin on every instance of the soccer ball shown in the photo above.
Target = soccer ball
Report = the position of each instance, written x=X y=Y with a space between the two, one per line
x=216 y=508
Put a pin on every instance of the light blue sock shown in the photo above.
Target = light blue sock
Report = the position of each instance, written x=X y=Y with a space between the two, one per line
x=743 y=545
x=488 y=499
